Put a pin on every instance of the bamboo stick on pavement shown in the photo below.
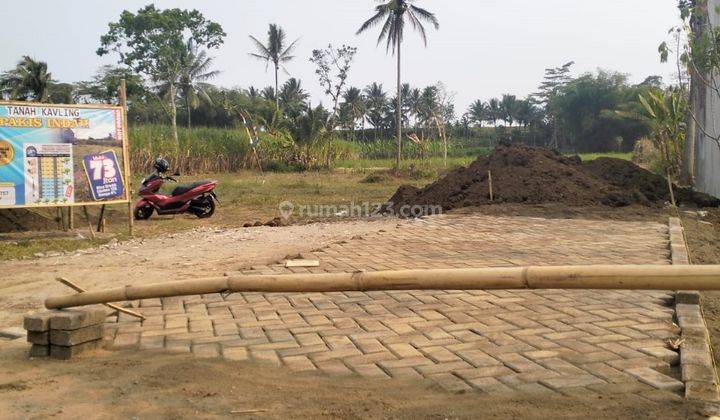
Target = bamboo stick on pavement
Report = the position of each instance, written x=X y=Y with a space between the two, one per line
x=621 y=277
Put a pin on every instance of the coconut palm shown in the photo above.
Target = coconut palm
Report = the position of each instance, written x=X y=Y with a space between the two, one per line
x=29 y=80
x=268 y=93
x=293 y=97
x=354 y=104
x=478 y=112
x=494 y=111
x=412 y=101
x=508 y=106
x=376 y=106
x=276 y=51
x=394 y=14
x=194 y=71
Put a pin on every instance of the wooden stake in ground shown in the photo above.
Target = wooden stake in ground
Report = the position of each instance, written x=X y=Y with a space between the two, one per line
x=101 y=219
x=490 y=185
x=71 y=218
x=87 y=218
x=670 y=188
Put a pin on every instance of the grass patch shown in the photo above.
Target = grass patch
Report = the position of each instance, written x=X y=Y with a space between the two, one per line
x=592 y=156
x=25 y=248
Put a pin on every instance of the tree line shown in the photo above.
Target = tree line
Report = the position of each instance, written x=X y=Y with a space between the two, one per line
x=168 y=75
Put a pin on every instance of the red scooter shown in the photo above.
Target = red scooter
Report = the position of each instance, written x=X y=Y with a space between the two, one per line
x=198 y=198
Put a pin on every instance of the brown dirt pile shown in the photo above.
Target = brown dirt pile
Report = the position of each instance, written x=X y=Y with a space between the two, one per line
x=523 y=174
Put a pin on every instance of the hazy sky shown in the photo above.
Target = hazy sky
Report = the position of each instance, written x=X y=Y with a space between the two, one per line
x=484 y=47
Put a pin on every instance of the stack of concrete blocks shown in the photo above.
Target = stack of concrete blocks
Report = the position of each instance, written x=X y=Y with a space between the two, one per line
x=64 y=334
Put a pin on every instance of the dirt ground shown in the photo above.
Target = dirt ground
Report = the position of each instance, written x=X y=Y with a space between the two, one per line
x=201 y=252
x=703 y=237
x=148 y=385
x=160 y=385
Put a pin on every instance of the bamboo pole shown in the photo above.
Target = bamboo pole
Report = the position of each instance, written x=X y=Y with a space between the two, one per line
x=639 y=277
x=79 y=289
x=126 y=157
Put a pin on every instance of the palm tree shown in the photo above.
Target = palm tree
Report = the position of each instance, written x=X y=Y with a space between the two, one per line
x=376 y=105
x=478 y=112
x=394 y=13
x=268 y=93
x=29 y=80
x=293 y=97
x=509 y=105
x=354 y=103
x=276 y=51
x=494 y=111
x=195 y=69
x=413 y=104
x=252 y=92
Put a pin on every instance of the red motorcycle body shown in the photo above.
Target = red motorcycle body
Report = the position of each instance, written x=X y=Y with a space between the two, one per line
x=197 y=198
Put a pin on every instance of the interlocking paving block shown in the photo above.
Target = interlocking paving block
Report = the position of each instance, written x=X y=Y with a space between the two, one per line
x=78 y=336
x=74 y=319
x=12 y=333
x=63 y=352
x=38 y=321
x=688 y=297
x=38 y=350
x=656 y=379
x=39 y=337
x=701 y=390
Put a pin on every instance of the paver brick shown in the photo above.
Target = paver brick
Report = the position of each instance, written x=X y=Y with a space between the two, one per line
x=75 y=337
x=74 y=319
x=656 y=379
x=62 y=352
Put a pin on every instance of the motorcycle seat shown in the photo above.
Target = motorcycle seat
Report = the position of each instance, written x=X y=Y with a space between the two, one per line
x=182 y=189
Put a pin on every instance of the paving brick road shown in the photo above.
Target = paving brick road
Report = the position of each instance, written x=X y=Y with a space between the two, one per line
x=492 y=341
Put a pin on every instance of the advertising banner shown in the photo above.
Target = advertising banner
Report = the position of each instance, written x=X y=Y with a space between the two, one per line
x=59 y=155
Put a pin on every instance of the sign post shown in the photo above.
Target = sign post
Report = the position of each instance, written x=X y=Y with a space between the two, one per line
x=126 y=153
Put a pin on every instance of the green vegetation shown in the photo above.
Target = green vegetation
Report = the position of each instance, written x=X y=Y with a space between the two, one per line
x=393 y=15
x=168 y=72
x=616 y=155
x=23 y=248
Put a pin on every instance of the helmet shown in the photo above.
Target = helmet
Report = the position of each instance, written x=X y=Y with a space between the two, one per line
x=161 y=165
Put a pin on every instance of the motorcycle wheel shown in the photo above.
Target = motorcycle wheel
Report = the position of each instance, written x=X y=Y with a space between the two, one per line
x=207 y=208
x=143 y=213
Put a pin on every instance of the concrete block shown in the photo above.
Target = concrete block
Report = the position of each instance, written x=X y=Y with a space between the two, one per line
x=12 y=333
x=74 y=319
x=63 y=352
x=701 y=391
x=37 y=350
x=39 y=321
x=698 y=373
x=39 y=337
x=78 y=336
x=695 y=356
x=656 y=379
x=688 y=298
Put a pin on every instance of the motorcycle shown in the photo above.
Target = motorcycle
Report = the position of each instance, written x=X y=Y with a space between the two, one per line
x=198 y=198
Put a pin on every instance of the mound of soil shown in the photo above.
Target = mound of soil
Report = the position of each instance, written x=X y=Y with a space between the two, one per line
x=523 y=174
x=649 y=187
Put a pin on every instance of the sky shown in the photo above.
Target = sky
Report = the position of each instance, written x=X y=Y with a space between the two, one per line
x=484 y=48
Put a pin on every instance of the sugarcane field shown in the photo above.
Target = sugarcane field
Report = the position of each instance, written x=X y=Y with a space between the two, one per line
x=361 y=209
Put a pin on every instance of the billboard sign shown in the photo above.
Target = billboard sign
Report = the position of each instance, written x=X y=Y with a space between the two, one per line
x=59 y=155
x=103 y=173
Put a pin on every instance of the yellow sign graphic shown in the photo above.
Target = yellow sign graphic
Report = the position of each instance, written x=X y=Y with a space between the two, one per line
x=7 y=153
